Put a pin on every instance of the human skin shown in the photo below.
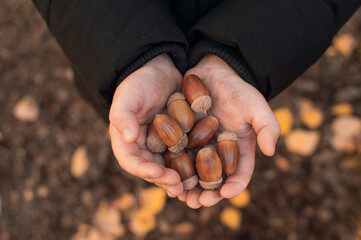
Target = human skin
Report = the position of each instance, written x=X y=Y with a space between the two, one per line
x=239 y=107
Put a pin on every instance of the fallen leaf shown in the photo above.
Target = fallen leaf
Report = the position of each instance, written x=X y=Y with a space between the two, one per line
x=345 y=43
x=124 y=202
x=28 y=195
x=282 y=163
x=312 y=117
x=42 y=192
x=79 y=162
x=142 y=221
x=184 y=228
x=86 y=232
x=242 y=200
x=231 y=218
x=302 y=142
x=153 y=199
x=345 y=129
x=108 y=220
x=1 y=136
x=26 y=109
x=342 y=109
x=331 y=51
x=285 y=118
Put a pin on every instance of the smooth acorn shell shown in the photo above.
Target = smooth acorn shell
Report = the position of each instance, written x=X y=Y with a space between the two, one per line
x=180 y=111
x=229 y=154
x=228 y=151
x=202 y=132
x=184 y=166
x=208 y=164
x=169 y=156
x=167 y=129
x=154 y=143
x=196 y=93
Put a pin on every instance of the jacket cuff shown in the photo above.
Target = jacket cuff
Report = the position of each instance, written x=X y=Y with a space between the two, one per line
x=175 y=50
x=230 y=55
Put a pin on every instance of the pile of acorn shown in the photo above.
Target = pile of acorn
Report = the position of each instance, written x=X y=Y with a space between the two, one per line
x=177 y=132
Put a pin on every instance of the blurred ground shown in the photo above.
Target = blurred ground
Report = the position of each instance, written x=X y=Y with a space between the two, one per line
x=43 y=121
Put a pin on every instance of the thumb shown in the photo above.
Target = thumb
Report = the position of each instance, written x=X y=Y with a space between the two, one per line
x=267 y=128
x=123 y=117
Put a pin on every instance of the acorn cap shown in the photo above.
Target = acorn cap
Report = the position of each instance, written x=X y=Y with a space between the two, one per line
x=202 y=104
x=227 y=136
x=155 y=144
x=211 y=185
x=174 y=97
x=180 y=145
x=190 y=183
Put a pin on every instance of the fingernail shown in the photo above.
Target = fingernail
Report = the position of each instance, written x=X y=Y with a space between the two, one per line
x=127 y=133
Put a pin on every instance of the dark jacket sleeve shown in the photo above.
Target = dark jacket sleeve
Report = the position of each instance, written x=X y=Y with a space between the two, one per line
x=106 y=40
x=270 y=43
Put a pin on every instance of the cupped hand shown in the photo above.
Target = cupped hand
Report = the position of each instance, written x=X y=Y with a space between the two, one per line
x=136 y=101
x=242 y=109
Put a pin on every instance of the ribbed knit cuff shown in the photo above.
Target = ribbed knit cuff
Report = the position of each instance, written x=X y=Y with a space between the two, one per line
x=230 y=55
x=175 y=50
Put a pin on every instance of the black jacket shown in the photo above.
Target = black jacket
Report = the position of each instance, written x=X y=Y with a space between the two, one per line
x=268 y=43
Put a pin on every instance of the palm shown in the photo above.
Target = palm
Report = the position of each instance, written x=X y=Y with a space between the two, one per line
x=238 y=106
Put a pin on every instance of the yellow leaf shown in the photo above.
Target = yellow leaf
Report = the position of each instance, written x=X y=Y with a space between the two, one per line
x=153 y=199
x=344 y=131
x=124 y=202
x=79 y=162
x=242 y=200
x=231 y=218
x=285 y=118
x=312 y=117
x=342 y=109
x=282 y=163
x=108 y=220
x=142 y=222
x=302 y=142
x=26 y=109
x=345 y=43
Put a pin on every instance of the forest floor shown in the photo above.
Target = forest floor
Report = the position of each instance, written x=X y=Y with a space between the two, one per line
x=45 y=125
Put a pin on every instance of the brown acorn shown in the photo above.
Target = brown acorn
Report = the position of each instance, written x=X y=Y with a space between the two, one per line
x=169 y=156
x=228 y=151
x=170 y=133
x=196 y=93
x=209 y=168
x=154 y=143
x=184 y=166
x=180 y=111
x=202 y=132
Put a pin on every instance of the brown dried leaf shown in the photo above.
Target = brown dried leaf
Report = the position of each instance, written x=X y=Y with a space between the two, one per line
x=345 y=43
x=342 y=109
x=142 y=222
x=26 y=109
x=312 y=117
x=124 y=202
x=231 y=218
x=153 y=199
x=302 y=142
x=108 y=220
x=79 y=162
x=282 y=163
x=345 y=130
x=242 y=200
x=184 y=228
x=285 y=118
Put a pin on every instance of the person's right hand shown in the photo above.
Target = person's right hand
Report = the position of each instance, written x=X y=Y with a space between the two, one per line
x=136 y=101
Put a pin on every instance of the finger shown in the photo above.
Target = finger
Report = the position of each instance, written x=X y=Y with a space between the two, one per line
x=171 y=195
x=183 y=196
x=267 y=128
x=193 y=198
x=133 y=159
x=239 y=180
x=175 y=190
x=209 y=198
x=169 y=178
